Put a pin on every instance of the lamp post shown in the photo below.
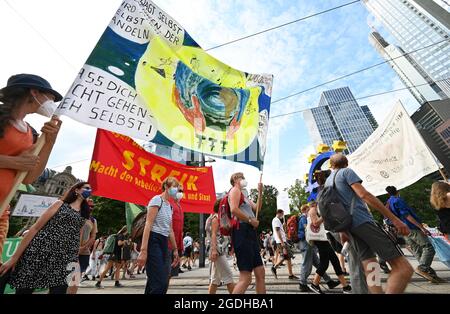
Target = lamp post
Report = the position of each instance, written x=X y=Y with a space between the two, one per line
x=202 y=252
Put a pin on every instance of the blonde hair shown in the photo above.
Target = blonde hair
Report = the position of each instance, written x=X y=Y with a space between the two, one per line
x=168 y=182
x=235 y=176
x=438 y=197
x=304 y=207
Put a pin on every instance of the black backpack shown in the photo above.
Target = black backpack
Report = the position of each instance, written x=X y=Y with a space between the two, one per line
x=336 y=218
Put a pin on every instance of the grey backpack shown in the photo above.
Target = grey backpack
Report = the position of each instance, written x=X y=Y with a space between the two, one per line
x=336 y=218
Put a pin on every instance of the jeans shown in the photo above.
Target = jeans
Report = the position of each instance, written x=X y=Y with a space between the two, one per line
x=157 y=267
x=310 y=258
x=357 y=274
x=421 y=247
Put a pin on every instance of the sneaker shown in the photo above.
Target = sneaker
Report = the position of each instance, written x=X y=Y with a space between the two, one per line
x=180 y=271
x=345 y=274
x=184 y=266
x=93 y=278
x=425 y=274
x=304 y=288
x=315 y=289
x=293 y=277
x=333 y=284
x=98 y=285
x=347 y=290
x=118 y=285
x=189 y=268
x=274 y=272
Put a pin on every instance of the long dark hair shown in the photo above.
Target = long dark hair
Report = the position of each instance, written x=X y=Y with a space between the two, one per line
x=71 y=196
x=10 y=100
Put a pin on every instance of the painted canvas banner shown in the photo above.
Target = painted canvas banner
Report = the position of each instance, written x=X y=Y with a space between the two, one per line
x=120 y=169
x=148 y=79
x=33 y=205
x=395 y=154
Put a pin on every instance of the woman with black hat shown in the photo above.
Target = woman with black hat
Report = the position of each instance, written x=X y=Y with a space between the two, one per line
x=24 y=94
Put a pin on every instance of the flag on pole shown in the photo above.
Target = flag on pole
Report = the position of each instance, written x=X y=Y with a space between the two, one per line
x=147 y=78
x=131 y=212
x=395 y=154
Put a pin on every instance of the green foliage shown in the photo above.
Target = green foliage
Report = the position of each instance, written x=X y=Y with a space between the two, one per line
x=297 y=194
x=110 y=215
x=269 y=206
x=192 y=224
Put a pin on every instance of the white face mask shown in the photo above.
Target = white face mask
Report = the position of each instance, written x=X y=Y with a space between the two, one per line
x=243 y=183
x=20 y=125
x=47 y=108
x=179 y=196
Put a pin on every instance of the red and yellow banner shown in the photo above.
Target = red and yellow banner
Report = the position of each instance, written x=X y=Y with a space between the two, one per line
x=120 y=169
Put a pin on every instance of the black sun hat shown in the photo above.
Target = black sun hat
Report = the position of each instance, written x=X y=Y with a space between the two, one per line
x=31 y=81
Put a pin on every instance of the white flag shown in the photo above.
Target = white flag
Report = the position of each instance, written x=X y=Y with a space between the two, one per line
x=395 y=154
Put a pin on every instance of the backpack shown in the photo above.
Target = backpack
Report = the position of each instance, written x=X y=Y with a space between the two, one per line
x=138 y=224
x=110 y=244
x=292 y=229
x=336 y=217
x=227 y=222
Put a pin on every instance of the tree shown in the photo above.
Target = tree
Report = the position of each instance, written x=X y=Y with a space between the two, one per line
x=110 y=215
x=192 y=224
x=298 y=195
x=269 y=206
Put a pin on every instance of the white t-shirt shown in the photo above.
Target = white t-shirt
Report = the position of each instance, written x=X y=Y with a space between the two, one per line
x=187 y=241
x=276 y=223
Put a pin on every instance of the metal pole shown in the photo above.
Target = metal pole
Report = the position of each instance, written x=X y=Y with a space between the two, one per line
x=201 y=262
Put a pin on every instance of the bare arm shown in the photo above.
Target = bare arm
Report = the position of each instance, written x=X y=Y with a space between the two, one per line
x=214 y=230
x=151 y=215
x=316 y=221
x=372 y=201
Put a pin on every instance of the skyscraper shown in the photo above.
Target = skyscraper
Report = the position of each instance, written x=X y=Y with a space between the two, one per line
x=339 y=117
x=421 y=86
x=417 y=24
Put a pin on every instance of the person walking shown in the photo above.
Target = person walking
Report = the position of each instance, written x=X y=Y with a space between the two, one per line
x=364 y=235
x=220 y=271
x=440 y=200
x=285 y=250
x=24 y=94
x=157 y=232
x=244 y=237
x=47 y=256
x=417 y=239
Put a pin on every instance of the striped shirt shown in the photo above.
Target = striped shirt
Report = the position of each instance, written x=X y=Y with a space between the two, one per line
x=163 y=219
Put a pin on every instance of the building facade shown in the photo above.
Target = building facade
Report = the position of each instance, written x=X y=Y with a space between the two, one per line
x=54 y=183
x=430 y=119
x=419 y=84
x=339 y=117
x=421 y=27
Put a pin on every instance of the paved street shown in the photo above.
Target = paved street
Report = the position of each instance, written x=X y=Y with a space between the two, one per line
x=196 y=282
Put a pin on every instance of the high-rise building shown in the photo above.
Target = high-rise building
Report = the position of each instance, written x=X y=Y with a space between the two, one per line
x=339 y=117
x=373 y=122
x=429 y=120
x=421 y=86
x=421 y=28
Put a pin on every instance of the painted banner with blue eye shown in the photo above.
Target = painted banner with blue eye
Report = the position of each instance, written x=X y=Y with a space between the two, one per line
x=148 y=79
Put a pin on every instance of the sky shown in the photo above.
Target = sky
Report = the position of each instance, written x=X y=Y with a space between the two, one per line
x=54 y=38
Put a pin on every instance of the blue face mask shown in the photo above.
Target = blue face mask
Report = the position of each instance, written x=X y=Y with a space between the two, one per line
x=86 y=193
x=173 y=192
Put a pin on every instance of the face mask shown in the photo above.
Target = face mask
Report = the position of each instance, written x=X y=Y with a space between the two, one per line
x=20 y=125
x=243 y=183
x=173 y=192
x=47 y=108
x=179 y=196
x=86 y=193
